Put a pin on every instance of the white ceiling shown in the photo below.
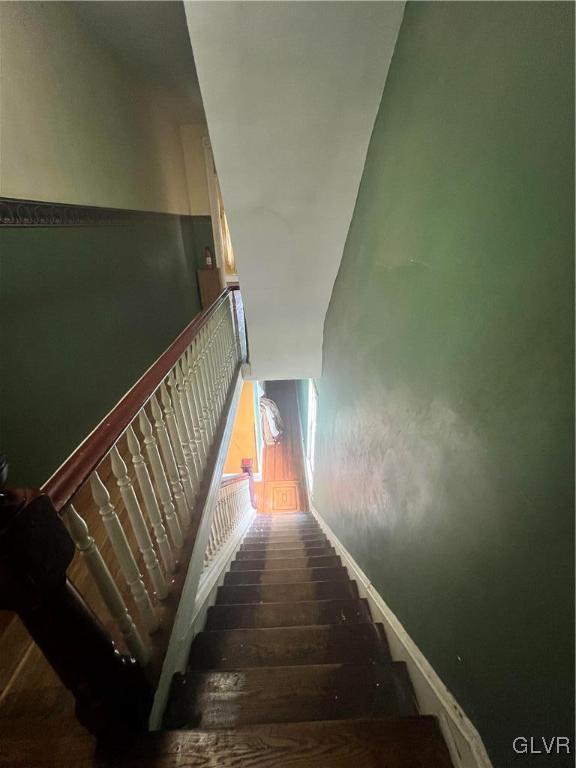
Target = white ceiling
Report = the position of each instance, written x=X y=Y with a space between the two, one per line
x=290 y=91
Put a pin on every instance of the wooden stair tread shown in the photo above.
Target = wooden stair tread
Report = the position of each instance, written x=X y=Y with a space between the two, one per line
x=287 y=614
x=314 y=561
x=265 y=554
x=279 y=576
x=227 y=699
x=411 y=742
x=289 y=646
x=288 y=544
x=414 y=742
x=289 y=592
x=251 y=541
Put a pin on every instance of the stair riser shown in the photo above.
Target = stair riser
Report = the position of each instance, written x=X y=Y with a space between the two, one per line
x=284 y=544
x=315 y=541
x=290 y=646
x=272 y=554
x=281 y=524
x=286 y=563
x=287 y=532
x=278 y=593
x=282 y=577
x=280 y=540
x=281 y=516
x=284 y=520
x=298 y=614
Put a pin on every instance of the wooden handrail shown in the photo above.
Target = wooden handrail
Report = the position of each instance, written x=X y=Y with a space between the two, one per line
x=233 y=479
x=71 y=475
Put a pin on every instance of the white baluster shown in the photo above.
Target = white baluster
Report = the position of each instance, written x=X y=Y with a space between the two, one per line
x=224 y=359
x=212 y=371
x=211 y=549
x=229 y=508
x=196 y=393
x=233 y=353
x=193 y=406
x=123 y=552
x=183 y=430
x=205 y=377
x=139 y=526
x=207 y=374
x=160 y=479
x=219 y=529
x=187 y=416
x=234 y=506
x=214 y=365
x=221 y=366
x=150 y=502
x=203 y=402
x=177 y=445
x=105 y=583
x=170 y=463
x=233 y=503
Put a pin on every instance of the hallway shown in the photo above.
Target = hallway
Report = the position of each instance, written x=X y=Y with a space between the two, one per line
x=283 y=487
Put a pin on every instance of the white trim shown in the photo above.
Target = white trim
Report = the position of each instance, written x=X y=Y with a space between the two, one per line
x=213 y=198
x=462 y=738
x=186 y=619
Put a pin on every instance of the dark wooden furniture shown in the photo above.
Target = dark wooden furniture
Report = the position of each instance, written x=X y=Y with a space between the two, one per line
x=210 y=284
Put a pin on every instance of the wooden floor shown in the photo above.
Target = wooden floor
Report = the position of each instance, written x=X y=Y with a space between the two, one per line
x=283 y=488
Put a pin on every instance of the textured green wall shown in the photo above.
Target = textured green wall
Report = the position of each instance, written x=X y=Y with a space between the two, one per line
x=83 y=312
x=445 y=437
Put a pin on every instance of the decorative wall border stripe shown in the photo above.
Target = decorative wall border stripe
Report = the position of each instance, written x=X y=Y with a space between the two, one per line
x=31 y=213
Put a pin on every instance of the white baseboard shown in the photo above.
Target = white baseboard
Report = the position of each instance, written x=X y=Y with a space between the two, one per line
x=462 y=738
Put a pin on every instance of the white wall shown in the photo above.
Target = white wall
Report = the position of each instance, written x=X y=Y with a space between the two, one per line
x=290 y=91
x=195 y=167
x=75 y=125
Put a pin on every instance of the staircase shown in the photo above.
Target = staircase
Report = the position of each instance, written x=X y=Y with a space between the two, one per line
x=290 y=669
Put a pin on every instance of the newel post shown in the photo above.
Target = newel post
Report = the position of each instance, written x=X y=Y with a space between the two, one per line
x=112 y=694
x=246 y=465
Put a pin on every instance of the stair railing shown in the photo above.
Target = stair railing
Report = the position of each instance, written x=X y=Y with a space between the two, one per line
x=150 y=466
x=233 y=505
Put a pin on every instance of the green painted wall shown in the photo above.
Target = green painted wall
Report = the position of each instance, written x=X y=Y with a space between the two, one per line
x=445 y=437
x=196 y=235
x=83 y=312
